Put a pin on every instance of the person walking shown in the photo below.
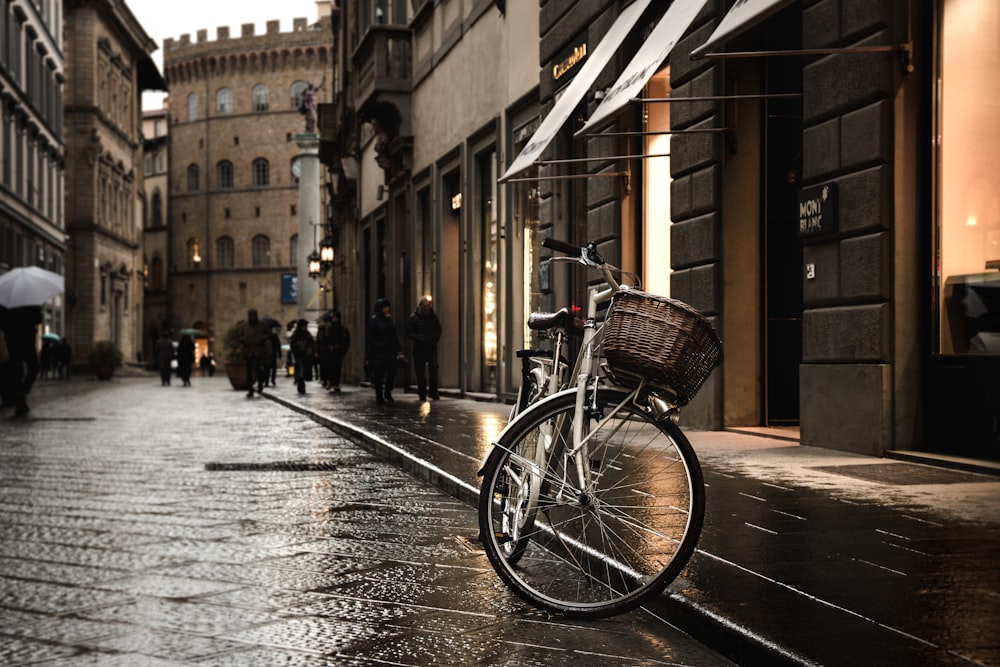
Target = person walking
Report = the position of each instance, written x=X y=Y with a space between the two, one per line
x=163 y=352
x=303 y=346
x=275 y=356
x=21 y=330
x=424 y=330
x=338 y=340
x=256 y=339
x=382 y=350
x=185 y=359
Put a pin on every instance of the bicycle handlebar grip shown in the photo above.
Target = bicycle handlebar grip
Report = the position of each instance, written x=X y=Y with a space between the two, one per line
x=561 y=246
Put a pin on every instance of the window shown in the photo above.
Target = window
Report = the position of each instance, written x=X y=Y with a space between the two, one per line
x=224 y=252
x=298 y=88
x=224 y=175
x=293 y=249
x=156 y=203
x=192 y=174
x=261 y=249
x=193 y=253
x=967 y=255
x=224 y=101
x=261 y=173
x=156 y=277
x=192 y=107
x=260 y=98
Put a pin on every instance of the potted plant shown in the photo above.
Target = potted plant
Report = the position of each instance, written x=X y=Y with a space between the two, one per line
x=104 y=357
x=235 y=355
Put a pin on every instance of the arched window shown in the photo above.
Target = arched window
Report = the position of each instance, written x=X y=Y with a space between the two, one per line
x=224 y=252
x=224 y=175
x=293 y=249
x=224 y=101
x=156 y=274
x=156 y=204
x=193 y=178
x=260 y=98
x=298 y=88
x=261 y=247
x=261 y=173
x=192 y=107
x=193 y=253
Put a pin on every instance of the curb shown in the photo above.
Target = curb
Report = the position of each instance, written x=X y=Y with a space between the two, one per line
x=716 y=632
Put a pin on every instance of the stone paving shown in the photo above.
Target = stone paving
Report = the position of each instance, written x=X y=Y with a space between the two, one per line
x=143 y=525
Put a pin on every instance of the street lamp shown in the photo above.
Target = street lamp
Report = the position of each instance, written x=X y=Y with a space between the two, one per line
x=326 y=254
x=313 y=264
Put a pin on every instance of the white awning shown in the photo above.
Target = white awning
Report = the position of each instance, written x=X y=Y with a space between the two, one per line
x=575 y=91
x=648 y=60
x=744 y=15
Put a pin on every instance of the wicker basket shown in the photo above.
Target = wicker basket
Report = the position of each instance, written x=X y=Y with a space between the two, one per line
x=664 y=341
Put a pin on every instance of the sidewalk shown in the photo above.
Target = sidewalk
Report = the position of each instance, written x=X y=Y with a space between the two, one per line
x=808 y=556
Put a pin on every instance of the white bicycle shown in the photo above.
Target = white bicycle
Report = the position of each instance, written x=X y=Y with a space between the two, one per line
x=592 y=499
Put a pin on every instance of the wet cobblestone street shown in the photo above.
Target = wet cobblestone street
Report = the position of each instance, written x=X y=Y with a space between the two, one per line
x=142 y=525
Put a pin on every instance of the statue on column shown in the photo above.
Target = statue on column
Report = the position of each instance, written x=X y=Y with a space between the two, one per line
x=308 y=107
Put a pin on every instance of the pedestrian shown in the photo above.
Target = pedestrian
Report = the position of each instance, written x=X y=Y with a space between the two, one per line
x=338 y=342
x=256 y=340
x=163 y=352
x=382 y=350
x=207 y=365
x=275 y=356
x=424 y=329
x=64 y=359
x=303 y=346
x=185 y=359
x=21 y=333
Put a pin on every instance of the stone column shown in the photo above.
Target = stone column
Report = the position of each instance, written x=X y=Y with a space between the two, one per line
x=309 y=218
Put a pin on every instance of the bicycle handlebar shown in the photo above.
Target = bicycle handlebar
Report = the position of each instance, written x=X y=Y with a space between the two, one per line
x=588 y=254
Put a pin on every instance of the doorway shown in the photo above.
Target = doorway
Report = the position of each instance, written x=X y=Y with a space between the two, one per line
x=782 y=271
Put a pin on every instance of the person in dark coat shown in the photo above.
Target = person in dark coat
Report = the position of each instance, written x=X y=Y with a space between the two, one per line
x=256 y=337
x=303 y=347
x=163 y=352
x=339 y=341
x=21 y=332
x=382 y=350
x=424 y=330
x=185 y=359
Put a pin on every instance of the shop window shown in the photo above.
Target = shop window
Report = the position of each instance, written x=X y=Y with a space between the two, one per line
x=967 y=252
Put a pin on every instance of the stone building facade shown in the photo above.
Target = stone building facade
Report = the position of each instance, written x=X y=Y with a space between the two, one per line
x=155 y=240
x=108 y=66
x=32 y=153
x=232 y=206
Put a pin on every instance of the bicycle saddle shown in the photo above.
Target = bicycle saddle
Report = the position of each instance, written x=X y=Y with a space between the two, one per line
x=562 y=319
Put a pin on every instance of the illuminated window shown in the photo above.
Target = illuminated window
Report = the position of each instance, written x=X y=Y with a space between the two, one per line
x=967 y=252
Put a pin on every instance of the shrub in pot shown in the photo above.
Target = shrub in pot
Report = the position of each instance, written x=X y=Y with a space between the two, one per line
x=234 y=355
x=105 y=357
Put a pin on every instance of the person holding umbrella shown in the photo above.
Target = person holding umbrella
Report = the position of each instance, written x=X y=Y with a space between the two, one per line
x=22 y=292
x=20 y=327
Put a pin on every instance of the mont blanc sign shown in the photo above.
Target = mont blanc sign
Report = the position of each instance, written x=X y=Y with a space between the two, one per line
x=818 y=210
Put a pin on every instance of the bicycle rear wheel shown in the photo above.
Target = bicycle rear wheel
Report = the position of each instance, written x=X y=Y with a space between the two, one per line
x=605 y=549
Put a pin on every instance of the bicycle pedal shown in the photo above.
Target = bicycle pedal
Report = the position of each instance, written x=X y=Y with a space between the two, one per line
x=503 y=538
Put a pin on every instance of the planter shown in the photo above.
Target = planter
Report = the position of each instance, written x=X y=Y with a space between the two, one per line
x=237 y=374
x=104 y=371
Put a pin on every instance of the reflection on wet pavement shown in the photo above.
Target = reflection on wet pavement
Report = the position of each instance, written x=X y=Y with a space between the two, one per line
x=143 y=525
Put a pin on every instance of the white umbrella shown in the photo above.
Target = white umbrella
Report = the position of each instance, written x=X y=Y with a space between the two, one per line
x=29 y=286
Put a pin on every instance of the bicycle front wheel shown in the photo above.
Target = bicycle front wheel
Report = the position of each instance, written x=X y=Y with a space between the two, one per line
x=606 y=547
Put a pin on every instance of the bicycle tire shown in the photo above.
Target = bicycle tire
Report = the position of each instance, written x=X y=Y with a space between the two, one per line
x=607 y=552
